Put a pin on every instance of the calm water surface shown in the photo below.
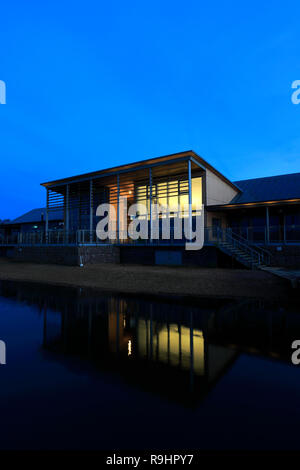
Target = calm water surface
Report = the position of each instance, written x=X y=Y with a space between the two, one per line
x=86 y=371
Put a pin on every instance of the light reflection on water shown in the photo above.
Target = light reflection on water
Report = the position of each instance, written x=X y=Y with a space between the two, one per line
x=164 y=349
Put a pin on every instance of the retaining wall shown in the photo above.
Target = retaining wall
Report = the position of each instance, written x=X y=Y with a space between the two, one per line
x=288 y=256
x=68 y=255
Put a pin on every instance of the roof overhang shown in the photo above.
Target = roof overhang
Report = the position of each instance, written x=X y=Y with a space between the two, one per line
x=248 y=205
x=149 y=163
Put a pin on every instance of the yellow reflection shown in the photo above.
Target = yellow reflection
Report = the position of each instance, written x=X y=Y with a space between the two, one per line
x=172 y=345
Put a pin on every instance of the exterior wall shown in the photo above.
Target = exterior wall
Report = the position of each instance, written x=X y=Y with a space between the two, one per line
x=99 y=254
x=208 y=257
x=38 y=226
x=251 y=223
x=29 y=227
x=217 y=191
x=288 y=256
x=67 y=255
x=218 y=215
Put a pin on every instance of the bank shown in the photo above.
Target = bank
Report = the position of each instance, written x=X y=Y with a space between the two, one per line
x=152 y=280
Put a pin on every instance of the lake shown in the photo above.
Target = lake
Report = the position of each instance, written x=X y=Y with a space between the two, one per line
x=91 y=371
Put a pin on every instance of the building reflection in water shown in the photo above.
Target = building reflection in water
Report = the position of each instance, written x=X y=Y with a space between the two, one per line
x=153 y=345
x=169 y=343
x=172 y=348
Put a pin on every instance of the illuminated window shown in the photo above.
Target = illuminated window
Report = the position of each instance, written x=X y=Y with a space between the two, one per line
x=196 y=192
x=172 y=193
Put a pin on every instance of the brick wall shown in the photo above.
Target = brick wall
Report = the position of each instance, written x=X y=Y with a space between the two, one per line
x=68 y=255
x=99 y=254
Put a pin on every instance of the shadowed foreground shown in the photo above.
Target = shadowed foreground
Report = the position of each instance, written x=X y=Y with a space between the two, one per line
x=152 y=279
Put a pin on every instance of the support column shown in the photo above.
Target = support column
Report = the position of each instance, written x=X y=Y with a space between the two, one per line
x=118 y=207
x=67 y=213
x=150 y=201
x=91 y=211
x=190 y=198
x=47 y=216
x=204 y=204
x=267 y=226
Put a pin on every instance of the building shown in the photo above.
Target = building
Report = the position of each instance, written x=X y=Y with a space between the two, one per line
x=252 y=222
x=266 y=210
x=32 y=221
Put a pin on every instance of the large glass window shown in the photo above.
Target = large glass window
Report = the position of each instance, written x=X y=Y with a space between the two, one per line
x=173 y=193
x=196 y=193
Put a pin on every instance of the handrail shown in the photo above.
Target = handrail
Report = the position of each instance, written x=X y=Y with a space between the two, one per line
x=247 y=241
x=213 y=235
x=257 y=255
x=257 y=249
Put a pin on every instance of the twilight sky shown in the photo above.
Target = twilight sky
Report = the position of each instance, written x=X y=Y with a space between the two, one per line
x=95 y=84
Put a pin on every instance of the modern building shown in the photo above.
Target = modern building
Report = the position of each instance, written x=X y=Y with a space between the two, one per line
x=246 y=222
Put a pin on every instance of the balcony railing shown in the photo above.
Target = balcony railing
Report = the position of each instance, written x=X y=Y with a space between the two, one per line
x=257 y=236
x=275 y=234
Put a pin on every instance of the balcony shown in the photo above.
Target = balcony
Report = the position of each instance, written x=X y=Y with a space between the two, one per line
x=276 y=234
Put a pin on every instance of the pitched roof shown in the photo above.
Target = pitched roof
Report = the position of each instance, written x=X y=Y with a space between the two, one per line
x=142 y=164
x=271 y=188
x=35 y=215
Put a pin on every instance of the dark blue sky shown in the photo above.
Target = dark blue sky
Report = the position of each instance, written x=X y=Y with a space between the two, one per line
x=94 y=84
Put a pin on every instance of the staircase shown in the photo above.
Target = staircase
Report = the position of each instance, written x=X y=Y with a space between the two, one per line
x=238 y=247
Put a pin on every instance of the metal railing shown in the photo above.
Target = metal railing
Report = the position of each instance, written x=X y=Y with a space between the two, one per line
x=264 y=255
x=244 y=239
x=238 y=246
x=82 y=237
x=275 y=234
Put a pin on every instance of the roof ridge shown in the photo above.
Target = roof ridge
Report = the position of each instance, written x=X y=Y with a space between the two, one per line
x=266 y=177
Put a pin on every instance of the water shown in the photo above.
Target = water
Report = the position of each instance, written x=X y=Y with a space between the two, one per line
x=86 y=371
